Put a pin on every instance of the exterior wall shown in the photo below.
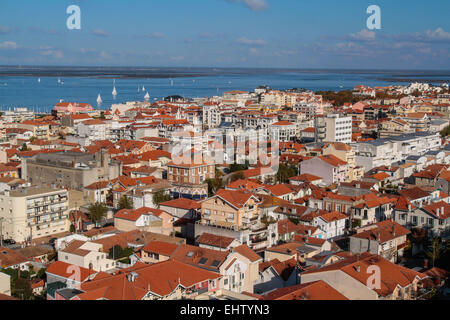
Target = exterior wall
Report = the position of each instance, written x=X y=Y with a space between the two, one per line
x=340 y=281
x=5 y=284
x=271 y=255
x=318 y=168
x=27 y=217
x=149 y=257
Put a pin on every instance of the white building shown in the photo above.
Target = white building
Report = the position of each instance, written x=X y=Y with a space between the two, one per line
x=33 y=212
x=334 y=128
x=387 y=151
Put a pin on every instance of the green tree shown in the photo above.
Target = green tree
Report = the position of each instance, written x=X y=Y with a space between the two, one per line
x=434 y=250
x=125 y=202
x=117 y=252
x=97 y=211
x=237 y=176
x=445 y=132
x=72 y=228
x=239 y=167
x=160 y=196
x=24 y=147
x=22 y=289
x=41 y=274
x=284 y=173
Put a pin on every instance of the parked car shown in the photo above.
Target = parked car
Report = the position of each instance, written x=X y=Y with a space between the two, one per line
x=9 y=241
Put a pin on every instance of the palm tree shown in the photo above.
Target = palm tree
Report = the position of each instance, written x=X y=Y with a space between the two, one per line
x=97 y=211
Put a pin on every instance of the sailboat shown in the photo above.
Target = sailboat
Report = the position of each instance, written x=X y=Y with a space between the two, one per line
x=39 y=80
x=114 y=92
x=99 y=99
x=139 y=90
x=59 y=80
x=147 y=96
x=143 y=88
x=171 y=83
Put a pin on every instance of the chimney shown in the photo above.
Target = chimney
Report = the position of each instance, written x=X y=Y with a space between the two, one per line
x=425 y=264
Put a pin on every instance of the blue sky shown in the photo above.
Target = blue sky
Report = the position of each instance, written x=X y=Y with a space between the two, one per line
x=227 y=33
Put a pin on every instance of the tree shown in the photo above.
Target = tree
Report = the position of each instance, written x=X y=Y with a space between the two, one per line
x=284 y=173
x=216 y=183
x=22 y=289
x=117 y=252
x=24 y=147
x=237 y=176
x=72 y=228
x=125 y=202
x=97 y=211
x=160 y=196
x=239 y=167
x=445 y=132
x=434 y=250
x=41 y=274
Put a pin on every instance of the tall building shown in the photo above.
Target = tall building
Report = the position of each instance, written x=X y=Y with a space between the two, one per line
x=334 y=128
x=33 y=212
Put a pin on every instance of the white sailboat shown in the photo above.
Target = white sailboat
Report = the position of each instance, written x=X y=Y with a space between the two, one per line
x=39 y=80
x=143 y=88
x=147 y=96
x=99 y=99
x=171 y=83
x=139 y=90
x=114 y=92
x=59 y=80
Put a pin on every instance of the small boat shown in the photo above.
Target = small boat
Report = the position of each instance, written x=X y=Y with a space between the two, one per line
x=139 y=90
x=143 y=88
x=171 y=83
x=59 y=80
x=114 y=92
x=147 y=96
x=99 y=99
x=39 y=80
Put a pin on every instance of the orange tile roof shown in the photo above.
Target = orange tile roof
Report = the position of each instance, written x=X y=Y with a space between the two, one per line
x=245 y=251
x=317 y=290
x=161 y=247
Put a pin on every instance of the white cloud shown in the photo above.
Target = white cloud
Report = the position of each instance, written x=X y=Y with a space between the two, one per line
x=254 y=5
x=251 y=42
x=9 y=45
x=438 y=34
x=363 y=35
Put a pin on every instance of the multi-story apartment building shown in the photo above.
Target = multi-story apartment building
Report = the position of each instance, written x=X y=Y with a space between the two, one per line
x=18 y=115
x=385 y=152
x=333 y=128
x=287 y=130
x=188 y=179
x=387 y=239
x=236 y=214
x=33 y=212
